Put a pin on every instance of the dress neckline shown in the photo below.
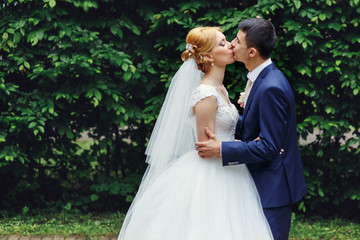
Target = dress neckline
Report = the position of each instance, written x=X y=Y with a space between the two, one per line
x=227 y=101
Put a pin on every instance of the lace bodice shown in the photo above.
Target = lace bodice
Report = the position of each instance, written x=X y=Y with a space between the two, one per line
x=226 y=114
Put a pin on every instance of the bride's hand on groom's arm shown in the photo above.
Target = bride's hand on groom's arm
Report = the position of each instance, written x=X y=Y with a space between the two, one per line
x=210 y=148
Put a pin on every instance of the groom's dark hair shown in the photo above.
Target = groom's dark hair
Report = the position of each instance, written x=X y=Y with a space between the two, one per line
x=260 y=34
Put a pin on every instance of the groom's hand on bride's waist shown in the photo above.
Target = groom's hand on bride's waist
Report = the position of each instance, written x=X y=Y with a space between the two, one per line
x=281 y=150
x=210 y=148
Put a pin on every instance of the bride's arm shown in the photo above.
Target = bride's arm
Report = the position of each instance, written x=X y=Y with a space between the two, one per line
x=205 y=112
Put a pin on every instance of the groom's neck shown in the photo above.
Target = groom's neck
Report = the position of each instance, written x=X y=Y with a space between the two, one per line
x=254 y=63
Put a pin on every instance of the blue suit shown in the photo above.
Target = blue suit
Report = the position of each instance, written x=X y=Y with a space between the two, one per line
x=269 y=114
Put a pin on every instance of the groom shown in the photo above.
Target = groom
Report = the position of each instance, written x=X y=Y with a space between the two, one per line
x=269 y=114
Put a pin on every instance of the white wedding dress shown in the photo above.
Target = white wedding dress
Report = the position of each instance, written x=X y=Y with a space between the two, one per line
x=199 y=199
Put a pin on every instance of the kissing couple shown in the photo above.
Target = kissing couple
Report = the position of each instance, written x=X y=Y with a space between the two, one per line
x=203 y=184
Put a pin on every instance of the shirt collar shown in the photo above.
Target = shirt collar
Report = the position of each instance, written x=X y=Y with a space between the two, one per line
x=255 y=73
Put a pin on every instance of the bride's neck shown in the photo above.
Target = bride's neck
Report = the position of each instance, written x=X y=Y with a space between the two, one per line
x=216 y=74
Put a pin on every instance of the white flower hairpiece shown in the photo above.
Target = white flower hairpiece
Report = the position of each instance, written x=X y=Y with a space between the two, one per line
x=189 y=47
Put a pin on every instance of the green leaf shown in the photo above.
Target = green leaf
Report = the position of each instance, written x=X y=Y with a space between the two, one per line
x=41 y=129
x=133 y=69
x=121 y=109
x=320 y=153
x=120 y=33
x=32 y=124
x=39 y=34
x=30 y=119
x=125 y=66
x=61 y=131
x=129 y=198
x=127 y=76
x=114 y=29
x=21 y=23
x=34 y=40
x=135 y=30
x=27 y=65
x=10 y=30
x=297 y=4
x=97 y=94
x=52 y=3
x=301 y=205
x=95 y=102
x=304 y=44
x=94 y=197
x=69 y=133
x=17 y=37
x=328 y=109
x=115 y=97
x=299 y=38
x=67 y=207
x=303 y=71
x=5 y=36
x=322 y=17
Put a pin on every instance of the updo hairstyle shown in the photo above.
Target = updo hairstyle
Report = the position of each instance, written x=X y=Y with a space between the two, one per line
x=203 y=40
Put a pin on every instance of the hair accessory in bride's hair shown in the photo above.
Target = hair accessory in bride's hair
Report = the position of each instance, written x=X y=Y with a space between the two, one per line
x=189 y=47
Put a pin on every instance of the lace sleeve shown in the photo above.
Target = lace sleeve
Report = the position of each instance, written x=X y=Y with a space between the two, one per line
x=201 y=92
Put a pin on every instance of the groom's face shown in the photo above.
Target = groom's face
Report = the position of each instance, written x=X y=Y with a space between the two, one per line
x=241 y=51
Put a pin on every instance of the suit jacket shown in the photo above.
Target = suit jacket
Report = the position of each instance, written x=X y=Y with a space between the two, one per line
x=270 y=115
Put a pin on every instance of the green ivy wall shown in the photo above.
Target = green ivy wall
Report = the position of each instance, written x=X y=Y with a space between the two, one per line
x=102 y=67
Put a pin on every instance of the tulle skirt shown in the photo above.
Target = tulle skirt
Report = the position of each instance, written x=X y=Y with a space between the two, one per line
x=198 y=199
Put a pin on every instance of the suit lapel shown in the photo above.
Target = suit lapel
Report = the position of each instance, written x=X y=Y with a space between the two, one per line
x=257 y=83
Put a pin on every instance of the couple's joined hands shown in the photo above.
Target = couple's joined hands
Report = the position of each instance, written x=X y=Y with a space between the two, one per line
x=211 y=148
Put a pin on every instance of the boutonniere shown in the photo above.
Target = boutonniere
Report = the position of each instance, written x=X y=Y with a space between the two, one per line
x=241 y=99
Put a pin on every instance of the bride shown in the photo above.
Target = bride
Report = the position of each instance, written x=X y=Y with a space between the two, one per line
x=184 y=197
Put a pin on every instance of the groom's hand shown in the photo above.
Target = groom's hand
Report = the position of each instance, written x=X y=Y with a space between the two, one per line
x=281 y=150
x=209 y=148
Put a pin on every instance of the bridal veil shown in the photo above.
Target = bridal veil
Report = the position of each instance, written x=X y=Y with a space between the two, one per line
x=173 y=134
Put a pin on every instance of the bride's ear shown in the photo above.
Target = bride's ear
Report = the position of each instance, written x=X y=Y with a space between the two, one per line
x=212 y=61
x=209 y=58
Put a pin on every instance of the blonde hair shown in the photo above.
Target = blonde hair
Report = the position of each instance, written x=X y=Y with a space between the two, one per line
x=203 y=40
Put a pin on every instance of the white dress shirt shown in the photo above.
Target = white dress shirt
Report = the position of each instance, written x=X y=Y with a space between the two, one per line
x=255 y=73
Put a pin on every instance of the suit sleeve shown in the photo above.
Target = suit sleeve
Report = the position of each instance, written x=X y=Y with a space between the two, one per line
x=273 y=110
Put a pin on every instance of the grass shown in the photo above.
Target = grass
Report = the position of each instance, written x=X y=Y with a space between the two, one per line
x=92 y=225
x=317 y=228
x=88 y=225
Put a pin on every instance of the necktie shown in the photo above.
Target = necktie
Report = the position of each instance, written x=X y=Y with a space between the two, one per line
x=247 y=90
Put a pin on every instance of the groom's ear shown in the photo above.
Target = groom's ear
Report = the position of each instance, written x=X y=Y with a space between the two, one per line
x=253 y=52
